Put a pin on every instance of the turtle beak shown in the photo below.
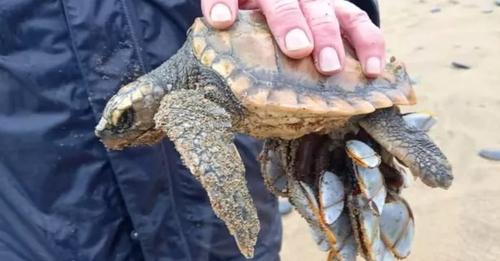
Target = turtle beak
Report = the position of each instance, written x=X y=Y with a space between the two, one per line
x=100 y=128
x=102 y=131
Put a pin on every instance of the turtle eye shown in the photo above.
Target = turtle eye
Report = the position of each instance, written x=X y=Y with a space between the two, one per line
x=125 y=119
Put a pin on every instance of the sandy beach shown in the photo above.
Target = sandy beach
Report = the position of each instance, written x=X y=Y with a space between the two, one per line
x=462 y=223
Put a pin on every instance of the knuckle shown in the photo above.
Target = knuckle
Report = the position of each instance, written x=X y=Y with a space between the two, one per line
x=320 y=15
x=356 y=18
x=280 y=8
x=318 y=8
x=329 y=26
x=313 y=2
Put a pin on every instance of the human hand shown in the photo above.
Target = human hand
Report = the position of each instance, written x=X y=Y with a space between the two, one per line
x=305 y=27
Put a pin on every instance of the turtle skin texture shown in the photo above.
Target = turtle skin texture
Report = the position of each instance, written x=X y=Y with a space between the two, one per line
x=237 y=81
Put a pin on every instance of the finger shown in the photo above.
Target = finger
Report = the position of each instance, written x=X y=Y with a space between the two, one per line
x=248 y=4
x=288 y=26
x=219 y=13
x=328 y=51
x=366 y=37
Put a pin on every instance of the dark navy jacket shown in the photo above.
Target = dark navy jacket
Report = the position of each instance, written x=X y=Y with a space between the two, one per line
x=62 y=195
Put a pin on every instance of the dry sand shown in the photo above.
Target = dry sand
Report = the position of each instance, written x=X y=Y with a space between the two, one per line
x=462 y=223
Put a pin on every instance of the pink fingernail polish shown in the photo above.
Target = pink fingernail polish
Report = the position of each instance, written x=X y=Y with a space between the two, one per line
x=220 y=13
x=296 y=39
x=329 y=60
x=373 y=65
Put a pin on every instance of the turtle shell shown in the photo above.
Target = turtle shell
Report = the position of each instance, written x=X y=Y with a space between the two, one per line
x=264 y=79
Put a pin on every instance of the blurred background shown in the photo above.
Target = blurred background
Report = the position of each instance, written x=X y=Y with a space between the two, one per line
x=462 y=223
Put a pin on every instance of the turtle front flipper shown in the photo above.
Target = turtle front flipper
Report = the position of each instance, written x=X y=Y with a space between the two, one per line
x=411 y=146
x=201 y=132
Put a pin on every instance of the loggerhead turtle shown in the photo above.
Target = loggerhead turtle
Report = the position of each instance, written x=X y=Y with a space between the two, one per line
x=237 y=81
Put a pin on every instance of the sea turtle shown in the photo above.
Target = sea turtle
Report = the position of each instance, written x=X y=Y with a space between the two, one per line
x=237 y=81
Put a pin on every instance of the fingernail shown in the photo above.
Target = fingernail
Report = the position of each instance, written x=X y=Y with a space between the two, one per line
x=296 y=39
x=329 y=60
x=373 y=65
x=220 y=13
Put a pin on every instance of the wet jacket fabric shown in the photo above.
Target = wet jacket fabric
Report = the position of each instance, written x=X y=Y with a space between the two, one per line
x=63 y=196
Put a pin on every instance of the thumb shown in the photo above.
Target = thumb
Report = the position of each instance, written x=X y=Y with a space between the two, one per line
x=219 y=13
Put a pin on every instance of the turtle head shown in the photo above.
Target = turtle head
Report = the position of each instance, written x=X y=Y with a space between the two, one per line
x=127 y=119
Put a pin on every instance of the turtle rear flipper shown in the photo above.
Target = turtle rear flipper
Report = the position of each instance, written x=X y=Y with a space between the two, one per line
x=200 y=130
x=411 y=146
